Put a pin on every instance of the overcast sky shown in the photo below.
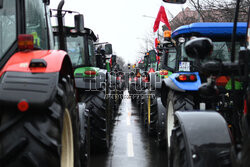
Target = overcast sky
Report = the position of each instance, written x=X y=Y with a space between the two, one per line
x=119 y=22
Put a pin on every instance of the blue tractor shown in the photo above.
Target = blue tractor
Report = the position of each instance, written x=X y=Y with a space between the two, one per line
x=181 y=91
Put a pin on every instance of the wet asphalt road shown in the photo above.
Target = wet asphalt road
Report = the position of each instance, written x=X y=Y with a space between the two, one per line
x=131 y=146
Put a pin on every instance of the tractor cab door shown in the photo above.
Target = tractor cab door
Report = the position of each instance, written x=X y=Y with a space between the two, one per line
x=76 y=50
x=91 y=53
x=168 y=59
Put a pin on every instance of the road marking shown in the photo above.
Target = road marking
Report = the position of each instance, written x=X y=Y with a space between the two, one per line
x=130 y=149
x=128 y=121
x=128 y=118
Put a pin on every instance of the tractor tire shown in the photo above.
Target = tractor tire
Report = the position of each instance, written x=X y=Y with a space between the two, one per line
x=161 y=124
x=178 y=155
x=150 y=105
x=176 y=101
x=113 y=98
x=42 y=138
x=84 y=134
x=100 y=120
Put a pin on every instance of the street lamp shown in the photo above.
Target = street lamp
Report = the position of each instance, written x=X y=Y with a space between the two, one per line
x=148 y=16
x=151 y=17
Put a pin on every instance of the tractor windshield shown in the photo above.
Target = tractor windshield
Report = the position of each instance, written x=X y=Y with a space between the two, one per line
x=221 y=51
x=76 y=52
x=8 y=31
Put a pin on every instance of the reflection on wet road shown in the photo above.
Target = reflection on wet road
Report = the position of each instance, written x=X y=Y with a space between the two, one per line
x=131 y=147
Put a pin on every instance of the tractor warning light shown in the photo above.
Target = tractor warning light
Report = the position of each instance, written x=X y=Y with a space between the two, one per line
x=25 y=41
x=167 y=35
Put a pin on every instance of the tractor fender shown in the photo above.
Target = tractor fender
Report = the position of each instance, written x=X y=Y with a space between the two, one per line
x=166 y=85
x=37 y=86
x=206 y=138
x=161 y=118
x=20 y=61
x=187 y=86
x=92 y=83
x=171 y=85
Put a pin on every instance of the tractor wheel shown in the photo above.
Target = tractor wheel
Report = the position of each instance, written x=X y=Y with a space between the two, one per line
x=84 y=134
x=42 y=138
x=161 y=124
x=178 y=155
x=175 y=102
x=100 y=120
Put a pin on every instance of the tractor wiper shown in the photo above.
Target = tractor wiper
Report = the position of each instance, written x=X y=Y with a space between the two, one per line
x=1 y=4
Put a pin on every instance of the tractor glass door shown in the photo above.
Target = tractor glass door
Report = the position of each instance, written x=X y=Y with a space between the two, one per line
x=75 y=46
x=153 y=60
x=36 y=23
x=170 y=57
x=8 y=31
x=92 y=57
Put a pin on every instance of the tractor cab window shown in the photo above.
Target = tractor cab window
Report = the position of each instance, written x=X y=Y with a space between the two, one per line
x=75 y=46
x=170 y=56
x=36 y=23
x=92 y=57
x=8 y=32
x=222 y=51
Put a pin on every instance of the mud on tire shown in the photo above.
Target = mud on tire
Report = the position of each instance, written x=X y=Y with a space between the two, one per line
x=37 y=138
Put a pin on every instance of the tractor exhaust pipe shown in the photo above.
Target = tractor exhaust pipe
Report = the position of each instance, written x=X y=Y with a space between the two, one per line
x=62 y=43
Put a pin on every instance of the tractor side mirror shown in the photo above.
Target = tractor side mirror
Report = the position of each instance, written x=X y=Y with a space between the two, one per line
x=175 y=1
x=199 y=48
x=79 y=22
x=108 y=49
x=113 y=59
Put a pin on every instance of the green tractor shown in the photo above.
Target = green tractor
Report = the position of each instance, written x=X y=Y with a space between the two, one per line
x=91 y=82
x=148 y=105
x=107 y=62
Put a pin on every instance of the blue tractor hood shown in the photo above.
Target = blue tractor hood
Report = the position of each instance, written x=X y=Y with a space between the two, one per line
x=220 y=30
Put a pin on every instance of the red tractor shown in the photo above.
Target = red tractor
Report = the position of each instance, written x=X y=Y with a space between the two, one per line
x=39 y=113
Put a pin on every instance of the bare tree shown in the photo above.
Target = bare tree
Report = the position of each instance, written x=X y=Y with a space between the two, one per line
x=219 y=11
x=209 y=11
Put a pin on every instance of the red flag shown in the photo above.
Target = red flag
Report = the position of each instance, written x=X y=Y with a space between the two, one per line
x=110 y=62
x=156 y=42
x=162 y=16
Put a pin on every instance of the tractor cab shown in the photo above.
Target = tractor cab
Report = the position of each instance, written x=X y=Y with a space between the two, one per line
x=80 y=46
x=24 y=29
x=150 y=61
x=219 y=33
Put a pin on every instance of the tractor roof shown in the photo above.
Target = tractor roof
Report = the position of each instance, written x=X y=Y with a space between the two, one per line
x=211 y=30
x=69 y=32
